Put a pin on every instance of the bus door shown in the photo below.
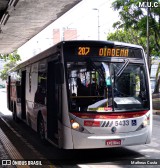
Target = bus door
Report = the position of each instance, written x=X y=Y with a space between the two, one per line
x=9 y=93
x=52 y=103
x=23 y=95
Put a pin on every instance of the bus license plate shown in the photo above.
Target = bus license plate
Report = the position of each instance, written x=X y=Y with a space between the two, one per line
x=113 y=142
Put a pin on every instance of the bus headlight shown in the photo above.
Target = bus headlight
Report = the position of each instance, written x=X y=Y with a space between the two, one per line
x=145 y=123
x=75 y=126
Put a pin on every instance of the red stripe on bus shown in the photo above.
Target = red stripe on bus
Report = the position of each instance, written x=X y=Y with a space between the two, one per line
x=92 y=123
x=122 y=115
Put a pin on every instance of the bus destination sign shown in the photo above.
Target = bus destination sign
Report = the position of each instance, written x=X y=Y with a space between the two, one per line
x=104 y=52
x=108 y=51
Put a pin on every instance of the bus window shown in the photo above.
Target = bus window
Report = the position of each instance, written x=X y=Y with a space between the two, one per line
x=40 y=95
x=101 y=90
x=88 y=83
x=131 y=86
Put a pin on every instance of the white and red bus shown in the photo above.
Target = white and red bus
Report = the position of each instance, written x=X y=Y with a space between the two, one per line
x=84 y=94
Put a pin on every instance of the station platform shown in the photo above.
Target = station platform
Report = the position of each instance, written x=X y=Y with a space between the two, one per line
x=10 y=156
x=4 y=156
x=7 y=151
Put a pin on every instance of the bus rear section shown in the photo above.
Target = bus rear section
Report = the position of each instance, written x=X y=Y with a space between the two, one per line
x=108 y=95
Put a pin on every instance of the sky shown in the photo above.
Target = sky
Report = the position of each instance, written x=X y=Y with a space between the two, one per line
x=85 y=17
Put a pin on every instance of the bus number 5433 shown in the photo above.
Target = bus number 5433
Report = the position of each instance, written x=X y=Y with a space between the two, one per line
x=122 y=123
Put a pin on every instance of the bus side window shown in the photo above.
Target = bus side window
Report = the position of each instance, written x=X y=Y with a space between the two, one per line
x=40 y=95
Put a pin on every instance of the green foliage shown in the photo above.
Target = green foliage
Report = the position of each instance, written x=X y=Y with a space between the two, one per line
x=12 y=57
x=129 y=36
x=133 y=21
x=7 y=67
x=11 y=61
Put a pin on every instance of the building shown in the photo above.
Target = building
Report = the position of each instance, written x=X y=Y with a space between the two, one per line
x=64 y=34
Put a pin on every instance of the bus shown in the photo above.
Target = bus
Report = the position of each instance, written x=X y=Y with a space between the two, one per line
x=84 y=94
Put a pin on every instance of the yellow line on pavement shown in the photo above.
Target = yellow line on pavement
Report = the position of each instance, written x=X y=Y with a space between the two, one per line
x=12 y=151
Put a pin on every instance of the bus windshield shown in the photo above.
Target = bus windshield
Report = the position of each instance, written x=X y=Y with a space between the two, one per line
x=106 y=86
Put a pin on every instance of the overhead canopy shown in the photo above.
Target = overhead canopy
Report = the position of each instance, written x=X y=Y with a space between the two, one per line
x=20 y=20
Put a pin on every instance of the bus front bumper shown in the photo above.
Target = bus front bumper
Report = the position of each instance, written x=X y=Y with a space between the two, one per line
x=88 y=141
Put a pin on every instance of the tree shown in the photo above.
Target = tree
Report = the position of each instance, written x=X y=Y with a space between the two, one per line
x=11 y=61
x=133 y=18
x=13 y=57
x=129 y=36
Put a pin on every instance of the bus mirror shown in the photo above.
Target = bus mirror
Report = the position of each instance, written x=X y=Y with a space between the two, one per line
x=59 y=73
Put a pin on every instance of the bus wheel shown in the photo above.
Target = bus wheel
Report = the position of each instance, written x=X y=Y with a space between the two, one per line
x=41 y=129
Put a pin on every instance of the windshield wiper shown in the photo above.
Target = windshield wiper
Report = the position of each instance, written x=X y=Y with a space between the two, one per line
x=119 y=73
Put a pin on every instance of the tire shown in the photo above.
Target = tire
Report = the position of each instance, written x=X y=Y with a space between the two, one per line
x=41 y=129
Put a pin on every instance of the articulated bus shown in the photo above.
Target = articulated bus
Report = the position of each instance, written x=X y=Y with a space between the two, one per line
x=84 y=94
